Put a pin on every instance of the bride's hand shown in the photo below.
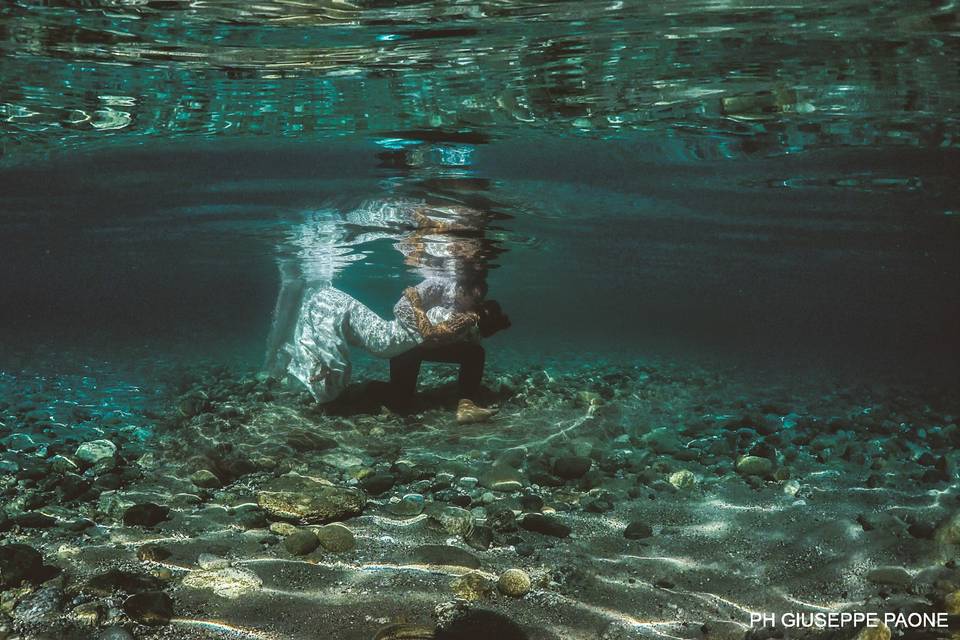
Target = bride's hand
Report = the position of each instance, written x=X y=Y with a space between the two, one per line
x=413 y=296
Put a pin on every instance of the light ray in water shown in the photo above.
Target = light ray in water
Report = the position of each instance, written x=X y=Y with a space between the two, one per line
x=649 y=625
x=830 y=606
x=223 y=627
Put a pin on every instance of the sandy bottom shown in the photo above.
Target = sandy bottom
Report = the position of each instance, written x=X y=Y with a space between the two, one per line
x=680 y=501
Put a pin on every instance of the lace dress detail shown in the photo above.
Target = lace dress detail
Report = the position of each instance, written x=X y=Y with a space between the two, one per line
x=330 y=323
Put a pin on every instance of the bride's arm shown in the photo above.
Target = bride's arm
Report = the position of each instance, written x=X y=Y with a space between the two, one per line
x=454 y=326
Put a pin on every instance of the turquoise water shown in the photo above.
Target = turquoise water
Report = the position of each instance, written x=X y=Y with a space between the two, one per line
x=720 y=228
x=715 y=177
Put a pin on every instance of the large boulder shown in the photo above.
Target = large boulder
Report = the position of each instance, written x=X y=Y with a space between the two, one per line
x=309 y=500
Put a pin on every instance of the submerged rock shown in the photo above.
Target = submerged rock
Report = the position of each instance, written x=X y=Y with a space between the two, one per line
x=96 y=451
x=637 y=530
x=472 y=586
x=40 y=605
x=301 y=542
x=453 y=520
x=442 y=554
x=502 y=477
x=19 y=562
x=302 y=498
x=683 y=480
x=514 y=583
x=548 y=526
x=754 y=466
x=409 y=505
x=145 y=514
x=150 y=607
x=227 y=582
x=336 y=538
x=378 y=483
x=205 y=479
x=106 y=583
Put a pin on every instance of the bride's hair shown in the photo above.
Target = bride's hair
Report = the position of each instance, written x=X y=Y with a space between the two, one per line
x=492 y=318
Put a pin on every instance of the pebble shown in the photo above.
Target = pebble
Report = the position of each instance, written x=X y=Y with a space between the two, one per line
x=230 y=582
x=514 y=583
x=205 y=479
x=62 y=463
x=546 y=525
x=301 y=543
x=153 y=608
x=409 y=505
x=468 y=482
x=145 y=514
x=336 y=538
x=472 y=586
x=378 y=483
x=96 y=451
x=637 y=530
x=444 y=555
x=503 y=478
x=754 y=466
x=683 y=480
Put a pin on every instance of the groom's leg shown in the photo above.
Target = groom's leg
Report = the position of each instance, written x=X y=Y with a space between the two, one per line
x=469 y=355
x=404 y=371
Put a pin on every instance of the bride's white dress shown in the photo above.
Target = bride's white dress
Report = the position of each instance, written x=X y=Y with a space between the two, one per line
x=330 y=323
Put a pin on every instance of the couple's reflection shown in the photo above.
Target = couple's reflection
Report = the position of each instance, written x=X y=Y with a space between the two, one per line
x=443 y=318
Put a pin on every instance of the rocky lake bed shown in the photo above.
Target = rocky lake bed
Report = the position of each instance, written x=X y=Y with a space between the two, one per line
x=600 y=502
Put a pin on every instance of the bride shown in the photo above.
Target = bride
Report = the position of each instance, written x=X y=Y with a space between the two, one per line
x=435 y=312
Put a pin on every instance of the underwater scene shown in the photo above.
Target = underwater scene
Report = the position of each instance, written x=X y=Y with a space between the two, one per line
x=479 y=319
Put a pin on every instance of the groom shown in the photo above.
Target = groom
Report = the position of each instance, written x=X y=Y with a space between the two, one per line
x=469 y=354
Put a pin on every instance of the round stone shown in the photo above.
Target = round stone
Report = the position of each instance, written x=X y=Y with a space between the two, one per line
x=637 y=530
x=96 y=450
x=754 y=466
x=205 y=479
x=301 y=543
x=150 y=608
x=514 y=583
x=336 y=538
x=472 y=585
x=683 y=480
x=409 y=505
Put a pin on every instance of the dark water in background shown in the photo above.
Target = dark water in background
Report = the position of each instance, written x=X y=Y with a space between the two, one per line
x=772 y=185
